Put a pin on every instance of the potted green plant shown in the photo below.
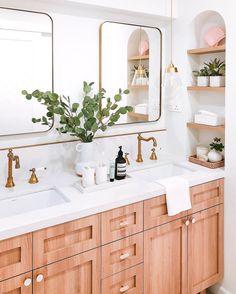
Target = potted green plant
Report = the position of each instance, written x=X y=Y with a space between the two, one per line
x=216 y=69
x=216 y=148
x=202 y=76
x=95 y=113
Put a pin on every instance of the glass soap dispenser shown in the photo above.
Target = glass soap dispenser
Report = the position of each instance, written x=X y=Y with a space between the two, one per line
x=120 y=169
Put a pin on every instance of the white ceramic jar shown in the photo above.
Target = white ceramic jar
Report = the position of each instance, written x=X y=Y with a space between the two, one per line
x=217 y=81
x=203 y=81
x=214 y=156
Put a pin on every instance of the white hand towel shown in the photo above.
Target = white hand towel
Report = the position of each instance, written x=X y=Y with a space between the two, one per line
x=177 y=194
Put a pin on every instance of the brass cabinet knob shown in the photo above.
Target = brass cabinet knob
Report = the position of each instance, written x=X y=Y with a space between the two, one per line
x=187 y=223
x=124 y=289
x=27 y=282
x=193 y=220
x=124 y=256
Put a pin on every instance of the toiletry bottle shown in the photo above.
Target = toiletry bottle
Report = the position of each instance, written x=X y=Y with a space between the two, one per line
x=112 y=171
x=120 y=170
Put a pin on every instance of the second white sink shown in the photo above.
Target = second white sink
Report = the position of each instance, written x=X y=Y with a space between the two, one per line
x=152 y=174
x=30 y=202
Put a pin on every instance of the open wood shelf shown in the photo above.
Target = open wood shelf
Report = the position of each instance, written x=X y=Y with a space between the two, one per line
x=138 y=116
x=138 y=86
x=209 y=50
x=209 y=89
x=143 y=57
x=206 y=127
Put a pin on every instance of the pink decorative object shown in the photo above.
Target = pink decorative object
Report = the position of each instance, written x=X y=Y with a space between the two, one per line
x=144 y=48
x=214 y=36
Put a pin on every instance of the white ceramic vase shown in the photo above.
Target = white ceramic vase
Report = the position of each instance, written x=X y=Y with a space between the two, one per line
x=203 y=81
x=217 y=81
x=214 y=156
x=85 y=156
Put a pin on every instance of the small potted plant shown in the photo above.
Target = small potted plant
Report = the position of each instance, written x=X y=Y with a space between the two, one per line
x=202 y=76
x=216 y=148
x=216 y=69
x=95 y=113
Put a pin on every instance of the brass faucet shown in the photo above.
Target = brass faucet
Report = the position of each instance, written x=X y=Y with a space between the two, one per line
x=11 y=158
x=140 y=139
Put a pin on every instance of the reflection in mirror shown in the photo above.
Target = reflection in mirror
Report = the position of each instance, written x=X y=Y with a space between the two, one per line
x=26 y=63
x=130 y=57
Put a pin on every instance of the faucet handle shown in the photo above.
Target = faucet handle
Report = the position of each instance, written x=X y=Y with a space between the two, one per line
x=153 y=154
x=127 y=159
x=17 y=160
x=33 y=178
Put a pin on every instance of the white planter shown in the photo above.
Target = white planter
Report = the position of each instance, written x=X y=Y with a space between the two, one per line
x=203 y=81
x=214 y=156
x=85 y=156
x=218 y=81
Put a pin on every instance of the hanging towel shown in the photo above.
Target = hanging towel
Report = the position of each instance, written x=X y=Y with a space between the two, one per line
x=177 y=194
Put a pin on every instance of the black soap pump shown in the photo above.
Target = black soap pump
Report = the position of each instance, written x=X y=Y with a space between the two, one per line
x=120 y=170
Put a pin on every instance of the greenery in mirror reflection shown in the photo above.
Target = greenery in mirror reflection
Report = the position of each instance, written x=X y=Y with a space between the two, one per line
x=96 y=112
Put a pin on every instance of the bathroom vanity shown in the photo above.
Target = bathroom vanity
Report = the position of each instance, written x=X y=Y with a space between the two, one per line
x=135 y=248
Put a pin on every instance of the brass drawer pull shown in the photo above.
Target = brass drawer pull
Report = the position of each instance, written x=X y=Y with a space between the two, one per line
x=193 y=220
x=123 y=289
x=187 y=223
x=27 y=282
x=124 y=256
x=39 y=278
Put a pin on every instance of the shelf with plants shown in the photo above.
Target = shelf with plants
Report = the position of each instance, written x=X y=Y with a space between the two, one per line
x=193 y=125
x=208 y=50
x=138 y=87
x=136 y=58
x=209 y=89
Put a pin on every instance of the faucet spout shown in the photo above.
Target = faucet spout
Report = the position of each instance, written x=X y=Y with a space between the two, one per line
x=140 y=139
x=11 y=157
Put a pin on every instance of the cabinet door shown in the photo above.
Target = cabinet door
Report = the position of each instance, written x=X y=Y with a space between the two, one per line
x=165 y=259
x=207 y=195
x=18 y=285
x=65 y=240
x=205 y=249
x=129 y=281
x=155 y=212
x=122 y=222
x=15 y=256
x=79 y=274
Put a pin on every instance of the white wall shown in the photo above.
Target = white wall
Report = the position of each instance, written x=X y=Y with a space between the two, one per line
x=188 y=10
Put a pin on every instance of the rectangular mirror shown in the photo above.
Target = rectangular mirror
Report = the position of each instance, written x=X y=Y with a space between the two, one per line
x=131 y=57
x=26 y=60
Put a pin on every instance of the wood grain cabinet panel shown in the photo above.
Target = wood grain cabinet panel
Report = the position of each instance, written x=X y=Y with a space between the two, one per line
x=15 y=256
x=79 y=274
x=122 y=222
x=16 y=285
x=155 y=212
x=129 y=281
x=122 y=254
x=207 y=195
x=205 y=247
x=165 y=259
x=61 y=241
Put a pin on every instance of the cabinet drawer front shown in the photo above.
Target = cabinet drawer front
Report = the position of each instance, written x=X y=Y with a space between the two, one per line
x=79 y=274
x=205 y=247
x=16 y=285
x=122 y=254
x=129 y=281
x=122 y=222
x=15 y=256
x=207 y=195
x=58 y=242
x=155 y=212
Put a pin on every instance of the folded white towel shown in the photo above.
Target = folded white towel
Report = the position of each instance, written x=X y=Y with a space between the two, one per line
x=177 y=194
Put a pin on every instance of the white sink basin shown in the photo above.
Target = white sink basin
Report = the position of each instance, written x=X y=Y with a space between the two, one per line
x=30 y=202
x=152 y=174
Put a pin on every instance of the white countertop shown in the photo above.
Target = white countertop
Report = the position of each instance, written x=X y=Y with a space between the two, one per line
x=85 y=204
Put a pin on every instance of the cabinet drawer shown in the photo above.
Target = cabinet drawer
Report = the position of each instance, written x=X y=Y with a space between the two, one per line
x=79 y=274
x=207 y=195
x=16 y=285
x=58 y=242
x=122 y=222
x=15 y=256
x=122 y=254
x=129 y=281
x=155 y=212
